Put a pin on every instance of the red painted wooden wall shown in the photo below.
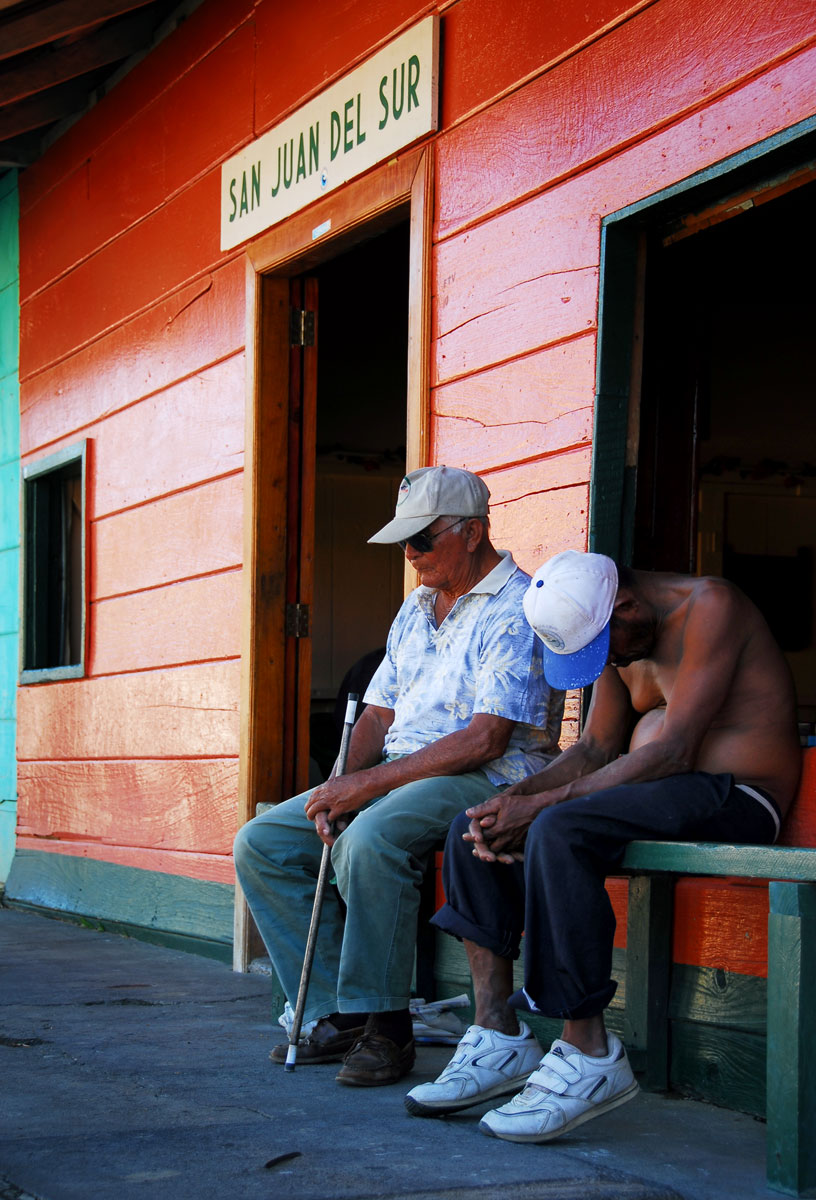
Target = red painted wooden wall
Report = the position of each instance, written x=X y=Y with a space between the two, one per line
x=132 y=334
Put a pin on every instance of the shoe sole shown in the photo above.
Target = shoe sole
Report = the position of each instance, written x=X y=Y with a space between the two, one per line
x=429 y=1108
x=309 y=1062
x=370 y=1080
x=596 y=1111
x=308 y=1056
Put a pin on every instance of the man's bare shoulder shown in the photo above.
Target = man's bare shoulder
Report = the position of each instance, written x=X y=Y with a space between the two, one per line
x=710 y=600
x=709 y=589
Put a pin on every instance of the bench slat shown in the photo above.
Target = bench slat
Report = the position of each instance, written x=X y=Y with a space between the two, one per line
x=714 y=858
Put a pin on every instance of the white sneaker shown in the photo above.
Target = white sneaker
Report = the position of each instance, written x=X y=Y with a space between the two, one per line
x=486 y=1064
x=567 y=1089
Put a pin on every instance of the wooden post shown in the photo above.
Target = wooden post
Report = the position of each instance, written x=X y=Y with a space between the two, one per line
x=648 y=966
x=791 y=1045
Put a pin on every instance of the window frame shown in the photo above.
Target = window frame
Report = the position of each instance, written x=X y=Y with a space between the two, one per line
x=31 y=473
x=615 y=436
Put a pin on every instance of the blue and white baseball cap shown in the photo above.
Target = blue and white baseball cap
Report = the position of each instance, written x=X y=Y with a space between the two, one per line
x=569 y=605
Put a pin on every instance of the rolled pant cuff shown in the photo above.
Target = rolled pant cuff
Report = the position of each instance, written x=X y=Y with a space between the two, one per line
x=504 y=945
x=592 y=1006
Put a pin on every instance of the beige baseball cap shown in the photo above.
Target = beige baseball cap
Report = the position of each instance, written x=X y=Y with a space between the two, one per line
x=433 y=492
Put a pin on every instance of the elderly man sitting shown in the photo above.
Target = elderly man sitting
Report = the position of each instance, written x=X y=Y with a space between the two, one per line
x=458 y=707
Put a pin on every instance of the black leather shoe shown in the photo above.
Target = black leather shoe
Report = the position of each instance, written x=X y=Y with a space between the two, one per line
x=326 y=1043
x=376 y=1060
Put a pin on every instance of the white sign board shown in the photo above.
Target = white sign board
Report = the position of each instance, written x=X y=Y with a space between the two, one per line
x=377 y=109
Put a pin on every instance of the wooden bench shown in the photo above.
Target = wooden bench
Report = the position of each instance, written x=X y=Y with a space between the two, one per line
x=652 y=868
x=658 y=984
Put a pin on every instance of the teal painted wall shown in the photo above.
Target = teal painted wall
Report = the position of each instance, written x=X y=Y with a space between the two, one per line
x=9 y=512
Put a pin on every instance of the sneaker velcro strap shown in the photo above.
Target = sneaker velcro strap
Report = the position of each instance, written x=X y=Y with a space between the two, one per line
x=555 y=1074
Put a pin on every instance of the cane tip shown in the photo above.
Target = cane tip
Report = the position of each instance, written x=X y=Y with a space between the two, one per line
x=291 y=1055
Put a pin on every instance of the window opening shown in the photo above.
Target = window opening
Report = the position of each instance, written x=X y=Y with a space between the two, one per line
x=703 y=460
x=54 y=603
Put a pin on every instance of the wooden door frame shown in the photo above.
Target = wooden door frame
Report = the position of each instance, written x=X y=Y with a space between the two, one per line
x=402 y=188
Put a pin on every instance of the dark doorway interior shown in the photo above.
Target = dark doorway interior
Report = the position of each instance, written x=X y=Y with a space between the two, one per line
x=726 y=475
x=360 y=459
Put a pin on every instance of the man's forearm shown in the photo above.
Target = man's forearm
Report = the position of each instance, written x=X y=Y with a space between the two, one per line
x=571 y=764
x=657 y=760
x=367 y=741
x=454 y=754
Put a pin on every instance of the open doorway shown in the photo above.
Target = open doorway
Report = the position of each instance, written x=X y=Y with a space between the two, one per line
x=365 y=404
x=362 y=348
x=726 y=463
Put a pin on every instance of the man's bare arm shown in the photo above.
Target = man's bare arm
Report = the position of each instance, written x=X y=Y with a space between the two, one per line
x=509 y=814
x=368 y=738
x=711 y=647
x=712 y=644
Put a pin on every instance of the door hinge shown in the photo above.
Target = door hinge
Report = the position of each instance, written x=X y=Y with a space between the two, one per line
x=301 y=327
x=297 y=620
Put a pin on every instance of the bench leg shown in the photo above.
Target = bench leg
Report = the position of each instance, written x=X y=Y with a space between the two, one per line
x=791 y=1053
x=648 y=968
x=424 y=978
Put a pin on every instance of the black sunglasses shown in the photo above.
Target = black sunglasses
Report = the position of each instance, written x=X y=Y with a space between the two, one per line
x=423 y=541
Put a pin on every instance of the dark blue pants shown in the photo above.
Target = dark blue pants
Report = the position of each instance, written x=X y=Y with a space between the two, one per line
x=557 y=896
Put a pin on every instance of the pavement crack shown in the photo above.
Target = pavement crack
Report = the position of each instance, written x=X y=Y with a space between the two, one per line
x=282 y=1158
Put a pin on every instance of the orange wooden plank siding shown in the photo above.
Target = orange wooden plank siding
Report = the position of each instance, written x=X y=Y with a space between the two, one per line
x=799 y=828
x=175 y=439
x=130 y=764
x=494 y=300
x=189 y=533
x=329 y=46
x=183 y=712
x=176 y=805
x=665 y=63
x=499 y=305
x=547 y=407
x=166 y=250
x=195 y=328
x=181 y=623
x=132 y=333
x=180 y=816
x=209 y=868
x=480 y=66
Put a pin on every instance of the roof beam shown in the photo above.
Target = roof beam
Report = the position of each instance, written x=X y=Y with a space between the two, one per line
x=43 y=109
x=20 y=153
x=55 y=21
x=47 y=68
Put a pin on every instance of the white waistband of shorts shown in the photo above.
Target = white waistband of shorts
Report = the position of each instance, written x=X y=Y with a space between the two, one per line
x=764 y=801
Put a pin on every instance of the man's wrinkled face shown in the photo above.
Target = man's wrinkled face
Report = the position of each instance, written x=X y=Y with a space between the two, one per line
x=447 y=559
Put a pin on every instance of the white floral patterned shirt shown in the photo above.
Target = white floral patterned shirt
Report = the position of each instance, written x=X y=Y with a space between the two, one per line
x=483 y=658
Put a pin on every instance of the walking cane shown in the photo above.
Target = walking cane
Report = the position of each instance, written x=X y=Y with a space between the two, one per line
x=322 y=880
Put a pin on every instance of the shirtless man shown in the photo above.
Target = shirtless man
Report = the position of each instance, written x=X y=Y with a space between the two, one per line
x=691 y=735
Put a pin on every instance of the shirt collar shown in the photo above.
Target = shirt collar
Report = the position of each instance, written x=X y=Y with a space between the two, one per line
x=491 y=584
x=495 y=580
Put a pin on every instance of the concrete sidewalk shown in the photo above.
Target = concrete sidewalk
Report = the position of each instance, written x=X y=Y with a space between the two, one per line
x=128 y=1070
